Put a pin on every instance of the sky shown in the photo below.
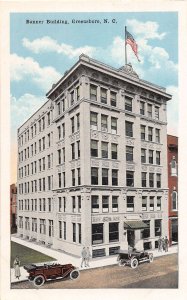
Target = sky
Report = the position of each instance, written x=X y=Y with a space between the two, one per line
x=41 y=53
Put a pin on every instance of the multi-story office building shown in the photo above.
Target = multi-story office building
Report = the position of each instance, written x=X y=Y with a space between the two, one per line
x=172 y=145
x=93 y=162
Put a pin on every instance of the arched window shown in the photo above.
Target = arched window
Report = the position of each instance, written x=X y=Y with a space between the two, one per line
x=173 y=167
x=174 y=200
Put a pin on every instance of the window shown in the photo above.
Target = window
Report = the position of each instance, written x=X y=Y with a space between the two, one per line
x=156 y=112
x=59 y=157
x=113 y=125
x=60 y=229
x=173 y=167
x=59 y=132
x=143 y=156
x=114 y=203
x=113 y=232
x=40 y=185
x=104 y=123
x=79 y=233
x=35 y=129
x=149 y=110
x=174 y=200
x=158 y=203
x=79 y=176
x=114 y=177
x=43 y=123
x=43 y=184
x=78 y=93
x=113 y=99
x=129 y=129
x=64 y=203
x=72 y=97
x=150 y=134
x=130 y=203
x=78 y=149
x=59 y=204
x=151 y=179
x=34 y=224
x=72 y=125
x=129 y=153
x=73 y=151
x=49 y=140
x=64 y=179
x=93 y=120
x=42 y=226
x=105 y=203
x=144 y=183
x=79 y=203
x=142 y=127
x=64 y=223
x=59 y=108
x=49 y=182
x=43 y=141
x=158 y=180
x=104 y=176
x=151 y=203
x=146 y=232
x=63 y=105
x=78 y=122
x=74 y=232
x=97 y=233
x=129 y=178
x=151 y=156
x=95 y=204
x=48 y=118
x=142 y=108
x=104 y=150
x=158 y=228
x=73 y=204
x=157 y=135
x=158 y=157
x=63 y=154
x=103 y=96
x=93 y=92
x=49 y=161
x=39 y=122
x=128 y=103
x=51 y=231
x=40 y=145
x=144 y=203
x=114 y=151
x=94 y=148
x=94 y=175
x=43 y=160
x=59 y=180
x=73 y=177
x=63 y=130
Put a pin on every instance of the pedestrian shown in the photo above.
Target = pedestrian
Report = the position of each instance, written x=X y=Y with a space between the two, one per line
x=166 y=244
x=16 y=265
x=84 y=257
x=163 y=244
x=159 y=244
x=88 y=255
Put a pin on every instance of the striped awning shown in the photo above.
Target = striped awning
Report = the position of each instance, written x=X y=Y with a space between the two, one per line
x=135 y=224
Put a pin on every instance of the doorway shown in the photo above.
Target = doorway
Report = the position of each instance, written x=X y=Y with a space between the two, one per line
x=131 y=238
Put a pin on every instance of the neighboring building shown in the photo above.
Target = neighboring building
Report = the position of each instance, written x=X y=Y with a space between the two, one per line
x=93 y=162
x=13 y=206
x=172 y=143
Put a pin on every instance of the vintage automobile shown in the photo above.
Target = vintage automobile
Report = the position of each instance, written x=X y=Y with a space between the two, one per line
x=134 y=258
x=38 y=274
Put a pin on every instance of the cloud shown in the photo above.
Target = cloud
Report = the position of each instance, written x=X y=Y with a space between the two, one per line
x=22 y=108
x=27 y=68
x=47 y=44
x=148 y=30
x=172 y=110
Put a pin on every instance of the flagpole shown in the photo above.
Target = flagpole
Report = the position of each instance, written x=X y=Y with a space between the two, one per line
x=125 y=45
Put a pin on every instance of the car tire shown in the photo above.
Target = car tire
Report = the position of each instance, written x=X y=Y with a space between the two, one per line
x=134 y=263
x=120 y=263
x=151 y=258
x=39 y=280
x=74 y=274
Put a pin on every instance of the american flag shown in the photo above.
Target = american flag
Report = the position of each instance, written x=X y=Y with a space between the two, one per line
x=131 y=41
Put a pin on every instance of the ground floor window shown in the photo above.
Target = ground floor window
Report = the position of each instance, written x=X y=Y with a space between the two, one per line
x=80 y=237
x=158 y=228
x=98 y=252
x=42 y=226
x=97 y=233
x=147 y=246
x=60 y=229
x=113 y=232
x=51 y=228
x=74 y=232
x=114 y=250
x=145 y=233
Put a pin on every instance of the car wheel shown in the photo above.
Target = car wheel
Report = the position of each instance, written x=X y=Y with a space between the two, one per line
x=134 y=263
x=120 y=263
x=74 y=274
x=39 y=280
x=150 y=258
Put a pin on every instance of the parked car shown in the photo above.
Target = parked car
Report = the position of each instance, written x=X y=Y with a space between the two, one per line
x=38 y=274
x=134 y=258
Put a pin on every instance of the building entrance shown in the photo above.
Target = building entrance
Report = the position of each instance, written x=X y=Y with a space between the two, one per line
x=131 y=238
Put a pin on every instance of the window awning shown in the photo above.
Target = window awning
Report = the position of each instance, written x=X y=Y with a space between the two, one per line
x=135 y=224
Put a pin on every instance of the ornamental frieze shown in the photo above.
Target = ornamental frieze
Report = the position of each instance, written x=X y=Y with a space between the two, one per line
x=94 y=134
x=151 y=169
x=115 y=165
x=95 y=163
x=144 y=168
x=114 y=138
x=129 y=142
x=151 y=146
x=72 y=165
x=130 y=167
x=78 y=163
x=159 y=170
x=105 y=164
x=104 y=136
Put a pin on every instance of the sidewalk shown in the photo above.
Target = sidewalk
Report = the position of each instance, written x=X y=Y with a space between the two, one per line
x=63 y=258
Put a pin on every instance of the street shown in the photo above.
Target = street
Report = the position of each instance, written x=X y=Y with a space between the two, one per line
x=162 y=273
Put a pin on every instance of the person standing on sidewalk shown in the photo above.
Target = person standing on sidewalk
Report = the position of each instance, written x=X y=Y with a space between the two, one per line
x=88 y=255
x=163 y=244
x=159 y=244
x=166 y=243
x=84 y=257
x=16 y=265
